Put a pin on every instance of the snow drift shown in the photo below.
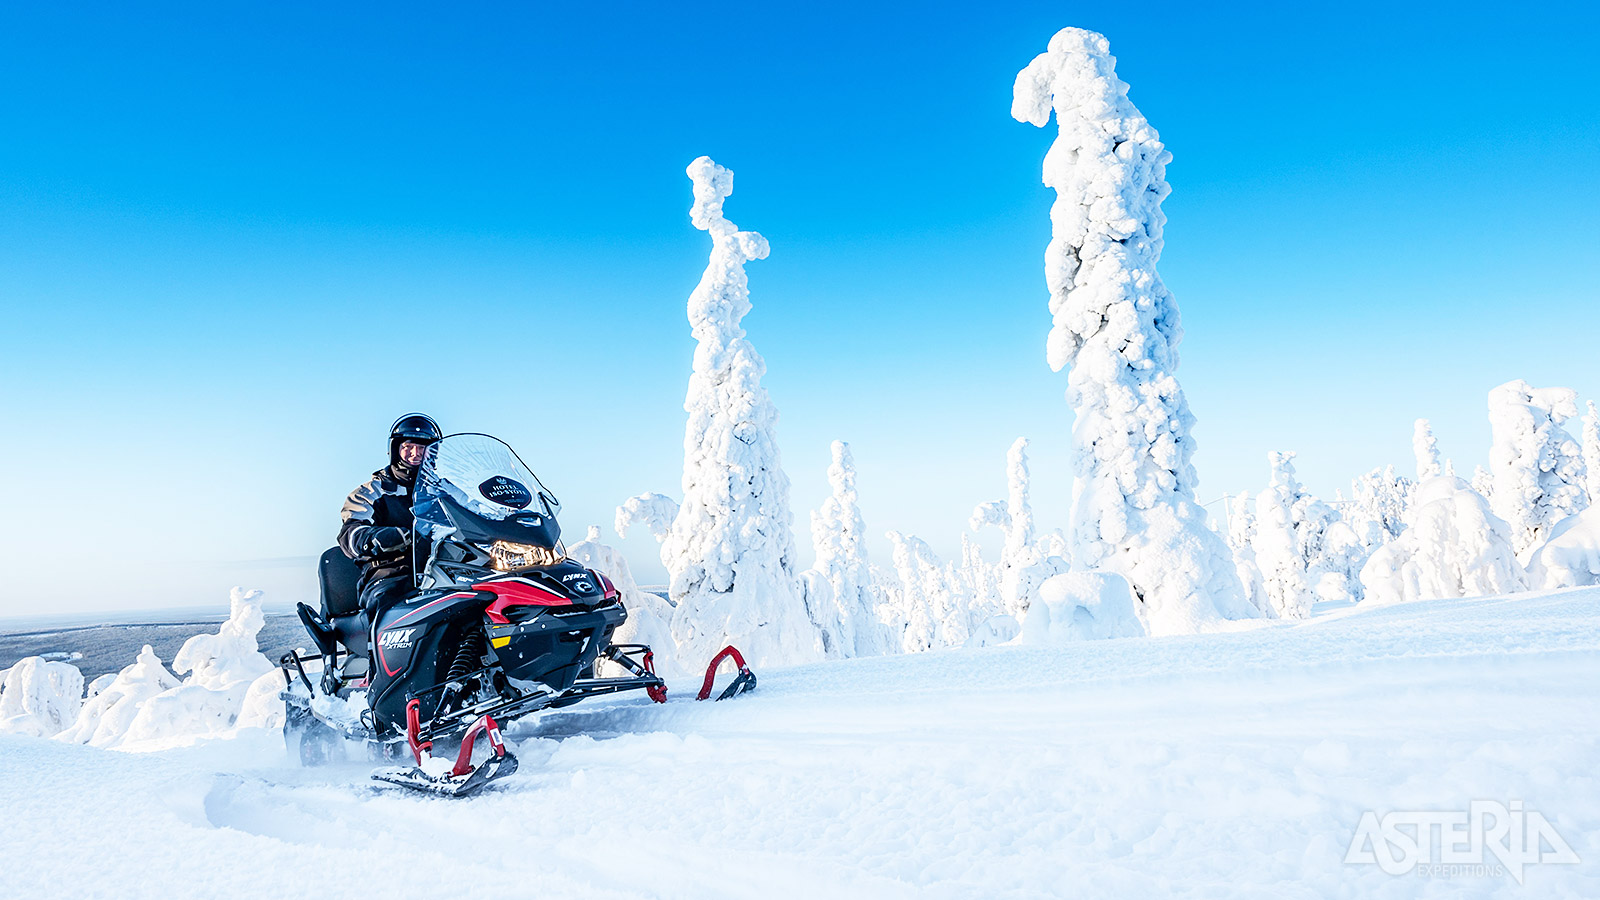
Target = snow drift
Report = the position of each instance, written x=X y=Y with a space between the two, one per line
x=39 y=697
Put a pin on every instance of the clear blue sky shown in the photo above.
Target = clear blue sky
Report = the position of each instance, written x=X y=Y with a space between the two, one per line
x=236 y=243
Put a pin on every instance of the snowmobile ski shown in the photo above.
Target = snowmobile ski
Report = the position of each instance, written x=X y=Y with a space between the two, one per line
x=430 y=774
x=449 y=785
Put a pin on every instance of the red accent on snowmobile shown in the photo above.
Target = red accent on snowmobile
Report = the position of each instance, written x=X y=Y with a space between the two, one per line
x=610 y=589
x=516 y=593
x=413 y=726
x=657 y=693
x=485 y=725
x=416 y=612
x=745 y=675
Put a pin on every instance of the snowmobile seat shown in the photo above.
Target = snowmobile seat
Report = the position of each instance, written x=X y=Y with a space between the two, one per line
x=338 y=575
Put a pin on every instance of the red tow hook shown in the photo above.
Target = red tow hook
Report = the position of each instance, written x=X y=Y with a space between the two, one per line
x=744 y=681
x=658 y=693
x=414 y=728
x=485 y=725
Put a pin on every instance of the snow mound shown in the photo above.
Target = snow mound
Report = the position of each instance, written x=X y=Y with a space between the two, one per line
x=232 y=656
x=1082 y=606
x=1453 y=546
x=1571 y=557
x=106 y=716
x=40 y=697
x=230 y=686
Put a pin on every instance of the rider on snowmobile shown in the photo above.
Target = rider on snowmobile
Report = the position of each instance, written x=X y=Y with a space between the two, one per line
x=377 y=516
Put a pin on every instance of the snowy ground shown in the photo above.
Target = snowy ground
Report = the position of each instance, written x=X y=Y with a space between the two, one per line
x=1222 y=765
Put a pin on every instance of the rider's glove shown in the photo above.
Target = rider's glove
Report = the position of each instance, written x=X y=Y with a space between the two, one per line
x=390 y=539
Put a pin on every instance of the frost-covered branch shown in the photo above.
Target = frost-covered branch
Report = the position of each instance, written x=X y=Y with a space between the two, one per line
x=654 y=511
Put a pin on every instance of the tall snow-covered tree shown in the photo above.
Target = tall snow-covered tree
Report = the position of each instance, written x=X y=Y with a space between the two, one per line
x=1023 y=564
x=1277 y=548
x=730 y=549
x=1116 y=328
x=838 y=535
x=922 y=598
x=1426 y=448
x=1591 y=453
x=1537 y=467
x=1483 y=482
x=1241 y=540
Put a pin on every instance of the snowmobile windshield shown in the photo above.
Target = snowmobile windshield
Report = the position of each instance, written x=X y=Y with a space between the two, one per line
x=482 y=477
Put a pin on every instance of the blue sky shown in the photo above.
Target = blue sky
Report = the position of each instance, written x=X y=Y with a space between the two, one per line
x=236 y=244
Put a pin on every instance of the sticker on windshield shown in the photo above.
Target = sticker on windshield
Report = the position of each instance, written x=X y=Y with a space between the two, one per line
x=505 y=492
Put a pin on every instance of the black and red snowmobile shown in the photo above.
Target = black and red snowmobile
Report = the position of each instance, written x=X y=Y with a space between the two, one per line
x=502 y=625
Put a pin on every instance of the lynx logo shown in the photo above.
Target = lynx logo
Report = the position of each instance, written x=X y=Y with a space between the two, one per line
x=566 y=578
x=396 y=638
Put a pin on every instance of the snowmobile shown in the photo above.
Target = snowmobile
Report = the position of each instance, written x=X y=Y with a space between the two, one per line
x=502 y=625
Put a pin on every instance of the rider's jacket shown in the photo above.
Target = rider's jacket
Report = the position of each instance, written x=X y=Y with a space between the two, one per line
x=376 y=531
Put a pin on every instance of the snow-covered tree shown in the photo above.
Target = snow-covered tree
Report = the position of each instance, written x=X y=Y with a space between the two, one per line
x=1241 y=540
x=1426 y=448
x=980 y=583
x=1483 y=482
x=1116 y=328
x=1537 y=467
x=921 y=581
x=1453 y=546
x=1023 y=563
x=1378 y=504
x=838 y=534
x=1277 y=549
x=730 y=549
x=1591 y=453
x=105 y=718
x=40 y=697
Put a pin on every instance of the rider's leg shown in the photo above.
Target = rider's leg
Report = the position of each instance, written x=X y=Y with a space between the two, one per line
x=384 y=593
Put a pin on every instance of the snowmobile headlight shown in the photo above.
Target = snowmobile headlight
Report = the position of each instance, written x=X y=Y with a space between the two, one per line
x=510 y=556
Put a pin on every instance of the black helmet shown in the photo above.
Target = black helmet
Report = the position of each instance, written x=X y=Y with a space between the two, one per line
x=411 y=427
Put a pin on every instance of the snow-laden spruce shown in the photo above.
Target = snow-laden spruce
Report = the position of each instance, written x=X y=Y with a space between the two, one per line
x=838 y=535
x=1591 y=453
x=1377 y=508
x=106 y=717
x=730 y=548
x=1116 y=327
x=39 y=697
x=1571 y=557
x=1277 y=550
x=1453 y=544
x=1024 y=564
x=227 y=677
x=1537 y=467
x=928 y=606
x=1426 y=448
x=1242 y=530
